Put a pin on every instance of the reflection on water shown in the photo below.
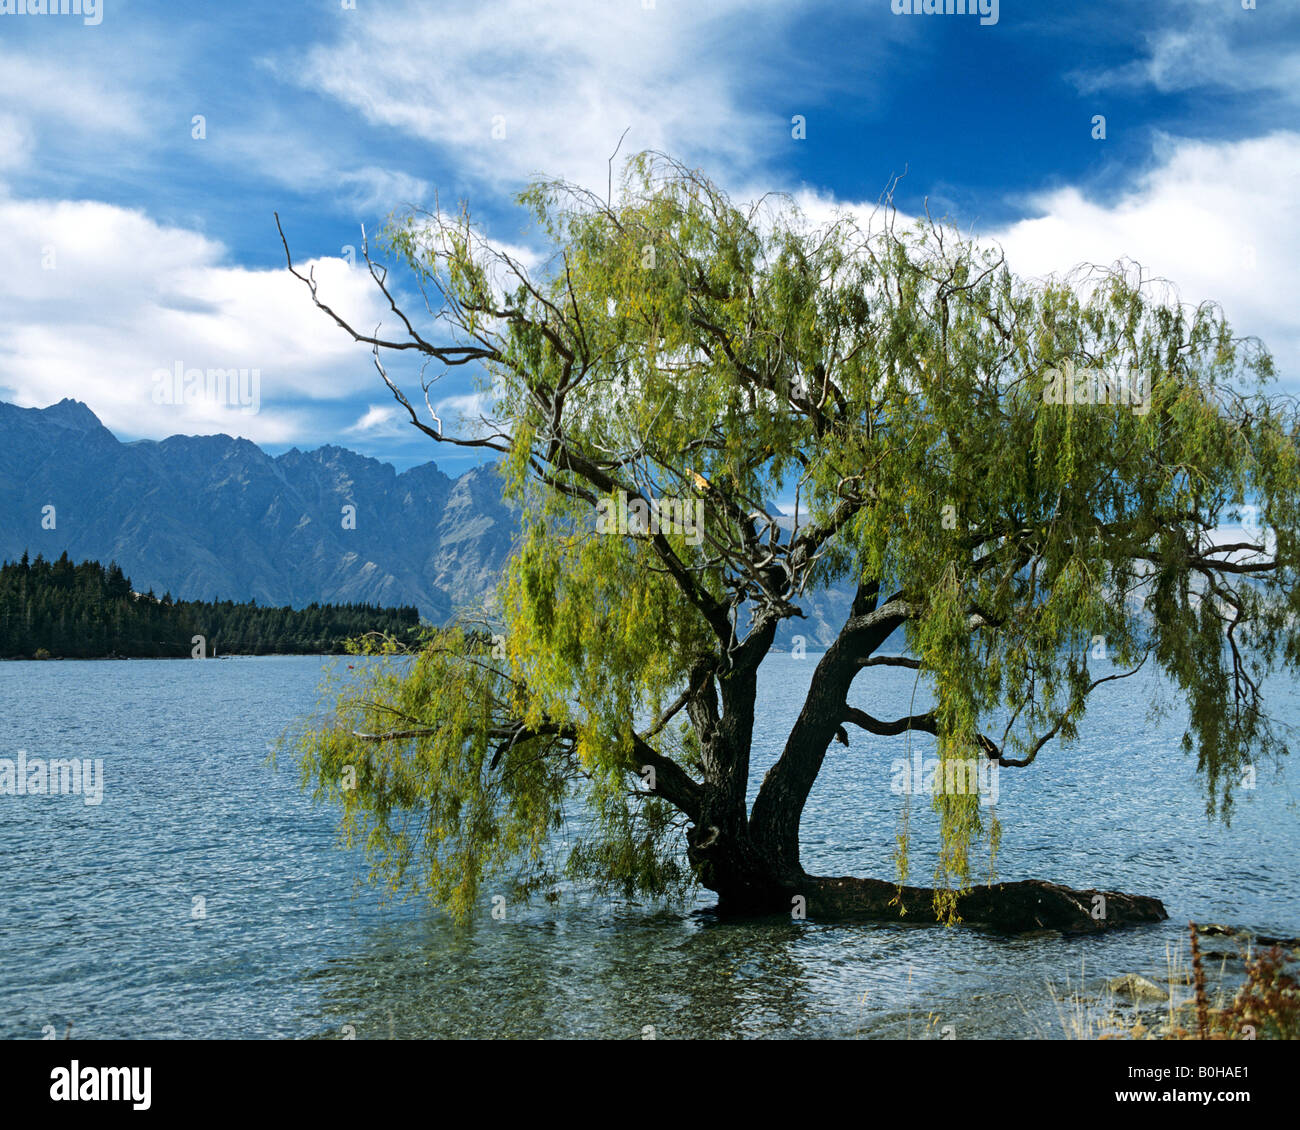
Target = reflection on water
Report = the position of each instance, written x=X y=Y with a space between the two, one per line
x=204 y=897
x=624 y=975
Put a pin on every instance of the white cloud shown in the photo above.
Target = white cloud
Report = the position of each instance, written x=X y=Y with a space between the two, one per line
x=277 y=149
x=373 y=189
x=463 y=414
x=1217 y=219
x=1209 y=44
x=380 y=421
x=15 y=142
x=56 y=88
x=561 y=78
x=127 y=297
x=59 y=107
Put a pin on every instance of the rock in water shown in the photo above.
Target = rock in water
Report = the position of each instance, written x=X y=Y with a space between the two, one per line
x=1138 y=988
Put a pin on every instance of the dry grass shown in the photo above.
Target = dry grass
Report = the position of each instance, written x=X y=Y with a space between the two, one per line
x=1265 y=1007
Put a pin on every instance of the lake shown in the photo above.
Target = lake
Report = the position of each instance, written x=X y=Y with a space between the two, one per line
x=205 y=897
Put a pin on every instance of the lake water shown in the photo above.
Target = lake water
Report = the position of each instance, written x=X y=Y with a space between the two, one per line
x=205 y=896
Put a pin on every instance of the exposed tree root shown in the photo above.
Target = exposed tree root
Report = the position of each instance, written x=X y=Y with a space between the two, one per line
x=1031 y=904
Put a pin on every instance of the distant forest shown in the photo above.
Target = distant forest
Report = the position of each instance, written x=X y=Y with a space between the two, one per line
x=87 y=611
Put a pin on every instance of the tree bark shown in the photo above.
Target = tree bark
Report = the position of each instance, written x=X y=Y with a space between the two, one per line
x=781 y=799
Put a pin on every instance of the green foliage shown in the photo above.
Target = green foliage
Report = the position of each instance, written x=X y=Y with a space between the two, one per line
x=427 y=809
x=434 y=806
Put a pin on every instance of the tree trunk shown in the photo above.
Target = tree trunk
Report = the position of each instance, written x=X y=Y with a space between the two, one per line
x=752 y=862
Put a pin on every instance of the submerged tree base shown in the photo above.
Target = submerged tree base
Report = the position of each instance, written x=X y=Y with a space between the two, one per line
x=1014 y=908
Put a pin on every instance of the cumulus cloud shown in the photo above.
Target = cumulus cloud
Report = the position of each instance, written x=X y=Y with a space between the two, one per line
x=98 y=299
x=464 y=413
x=1215 y=218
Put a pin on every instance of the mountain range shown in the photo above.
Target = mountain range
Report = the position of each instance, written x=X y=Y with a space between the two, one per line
x=217 y=518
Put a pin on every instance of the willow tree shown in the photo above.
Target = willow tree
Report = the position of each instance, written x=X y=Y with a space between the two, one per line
x=1003 y=469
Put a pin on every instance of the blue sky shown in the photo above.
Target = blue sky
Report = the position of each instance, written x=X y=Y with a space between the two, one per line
x=132 y=246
